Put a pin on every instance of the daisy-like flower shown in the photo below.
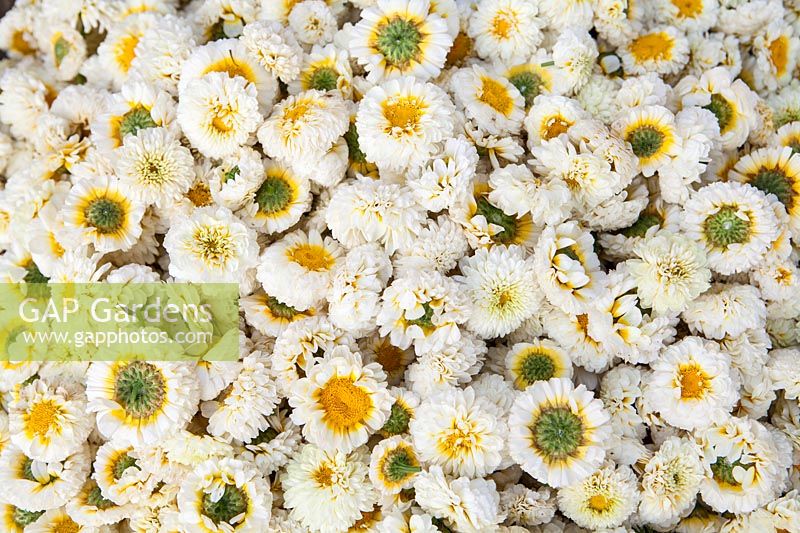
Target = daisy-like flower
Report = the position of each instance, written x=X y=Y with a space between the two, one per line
x=775 y=56
x=269 y=315
x=425 y=310
x=774 y=171
x=531 y=78
x=490 y=100
x=218 y=113
x=312 y=22
x=669 y=272
x=48 y=423
x=400 y=122
x=298 y=269
x=161 y=51
x=341 y=401
x=393 y=465
x=670 y=482
x=501 y=285
x=505 y=29
x=303 y=128
x=275 y=47
x=663 y=50
x=516 y=190
x=324 y=69
x=138 y=402
x=460 y=432
x=556 y=432
x=118 y=50
x=744 y=465
x=731 y=101
x=726 y=311
x=602 y=500
x=566 y=267
x=55 y=521
x=397 y=38
x=328 y=491
x=368 y=210
x=120 y=475
x=538 y=360
x=650 y=130
x=211 y=245
x=575 y=54
x=278 y=199
x=550 y=116
x=14 y=519
x=224 y=495
x=697 y=16
x=154 y=166
x=468 y=505
x=447 y=177
x=100 y=212
x=733 y=222
x=229 y=57
x=65 y=50
x=691 y=384
x=90 y=508
x=38 y=486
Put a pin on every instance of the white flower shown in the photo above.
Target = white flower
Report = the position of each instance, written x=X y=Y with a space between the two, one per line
x=517 y=191
x=663 y=50
x=500 y=284
x=784 y=372
x=575 y=54
x=602 y=500
x=154 y=166
x=446 y=177
x=460 y=432
x=400 y=122
x=312 y=22
x=505 y=29
x=275 y=47
x=490 y=100
x=211 y=245
x=691 y=384
x=218 y=113
x=526 y=507
x=726 y=311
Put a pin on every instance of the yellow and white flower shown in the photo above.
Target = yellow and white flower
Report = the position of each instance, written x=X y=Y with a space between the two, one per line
x=269 y=315
x=118 y=50
x=691 y=385
x=324 y=69
x=538 y=360
x=396 y=38
x=275 y=48
x=505 y=29
x=491 y=100
x=776 y=51
x=602 y=500
x=650 y=130
x=693 y=15
x=393 y=465
x=663 y=50
x=400 y=122
x=341 y=401
x=120 y=475
x=556 y=432
x=278 y=200
x=49 y=423
x=139 y=402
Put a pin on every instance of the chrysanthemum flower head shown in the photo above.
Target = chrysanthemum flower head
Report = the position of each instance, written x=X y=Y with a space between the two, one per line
x=603 y=499
x=491 y=100
x=538 y=360
x=650 y=130
x=556 y=431
x=664 y=50
x=505 y=29
x=393 y=465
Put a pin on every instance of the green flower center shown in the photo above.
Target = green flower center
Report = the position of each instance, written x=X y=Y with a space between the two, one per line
x=323 y=79
x=274 y=195
x=23 y=518
x=351 y=138
x=724 y=228
x=642 y=224
x=140 y=389
x=785 y=116
x=105 y=215
x=398 y=41
x=95 y=498
x=723 y=471
x=231 y=174
x=134 y=120
x=60 y=50
x=425 y=320
x=397 y=422
x=231 y=504
x=399 y=466
x=557 y=432
x=123 y=463
x=722 y=110
x=529 y=84
x=645 y=141
x=537 y=367
x=497 y=216
x=774 y=181
x=280 y=309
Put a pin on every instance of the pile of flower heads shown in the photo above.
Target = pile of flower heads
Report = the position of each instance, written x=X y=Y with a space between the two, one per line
x=504 y=265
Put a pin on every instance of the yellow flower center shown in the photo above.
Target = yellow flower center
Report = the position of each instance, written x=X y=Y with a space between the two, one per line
x=652 y=47
x=296 y=111
x=459 y=440
x=599 y=503
x=213 y=244
x=199 y=195
x=311 y=257
x=323 y=476
x=346 y=405
x=502 y=24
x=553 y=127
x=233 y=68
x=461 y=49
x=403 y=113
x=693 y=381
x=222 y=120
x=389 y=356
x=779 y=54
x=42 y=417
x=20 y=44
x=495 y=95
x=65 y=525
x=688 y=9
x=125 y=51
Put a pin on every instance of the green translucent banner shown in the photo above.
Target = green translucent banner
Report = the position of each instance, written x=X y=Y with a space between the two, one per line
x=117 y=322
